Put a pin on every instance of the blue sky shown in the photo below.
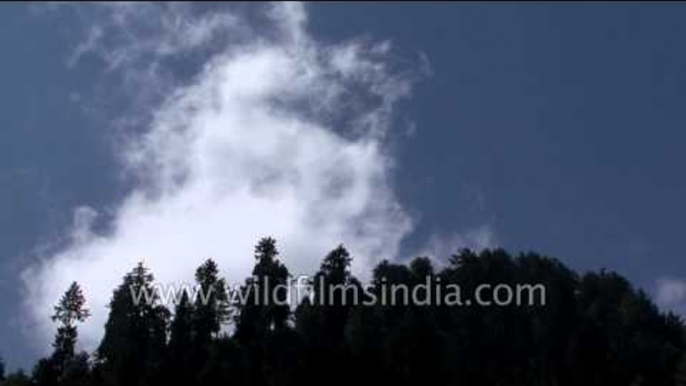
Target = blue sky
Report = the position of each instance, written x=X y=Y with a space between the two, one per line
x=556 y=128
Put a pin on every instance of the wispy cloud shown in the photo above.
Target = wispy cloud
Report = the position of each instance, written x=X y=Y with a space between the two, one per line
x=442 y=246
x=266 y=131
x=122 y=34
x=278 y=134
x=670 y=294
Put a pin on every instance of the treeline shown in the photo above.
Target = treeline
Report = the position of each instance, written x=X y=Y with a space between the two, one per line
x=595 y=329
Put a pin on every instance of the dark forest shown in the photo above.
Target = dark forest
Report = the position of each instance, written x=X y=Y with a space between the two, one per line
x=595 y=329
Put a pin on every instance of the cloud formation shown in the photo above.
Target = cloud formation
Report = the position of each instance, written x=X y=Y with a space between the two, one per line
x=670 y=294
x=440 y=246
x=277 y=134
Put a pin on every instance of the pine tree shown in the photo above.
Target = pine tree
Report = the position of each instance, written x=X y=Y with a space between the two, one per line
x=324 y=321
x=59 y=368
x=70 y=309
x=335 y=289
x=2 y=369
x=211 y=309
x=596 y=329
x=265 y=308
x=131 y=351
x=180 y=344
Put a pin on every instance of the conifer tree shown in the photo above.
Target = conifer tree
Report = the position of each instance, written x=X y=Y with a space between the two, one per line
x=207 y=315
x=180 y=345
x=324 y=321
x=131 y=351
x=264 y=310
x=211 y=309
x=594 y=329
x=70 y=310
x=335 y=289
x=265 y=307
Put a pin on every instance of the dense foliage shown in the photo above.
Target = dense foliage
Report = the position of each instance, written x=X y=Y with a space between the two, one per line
x=595 y=329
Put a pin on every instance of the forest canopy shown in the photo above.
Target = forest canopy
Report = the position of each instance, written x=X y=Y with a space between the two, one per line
x=594 y=329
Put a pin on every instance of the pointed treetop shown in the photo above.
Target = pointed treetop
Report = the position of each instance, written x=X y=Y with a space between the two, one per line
x=266 y=249
x=71 y=307
x=337 y=260
x=207 y=273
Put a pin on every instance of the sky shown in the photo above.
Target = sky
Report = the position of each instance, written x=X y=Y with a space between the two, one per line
x=173 y=133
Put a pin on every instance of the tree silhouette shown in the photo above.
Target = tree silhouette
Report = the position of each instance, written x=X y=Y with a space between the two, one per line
x=65 y=366
x=179 y=350
x=593 y=329
x=131 y=351
x=211 y=306
x=210 y=311
x=70 y=309
x=265 y=307
x=323 y=322
x=335 y=290
x=18 y=378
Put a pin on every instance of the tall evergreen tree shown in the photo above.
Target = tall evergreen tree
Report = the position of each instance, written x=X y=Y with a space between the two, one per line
x=265 y=307
x=131 y=351
x=59 y=368
x=594 y=330
x=210 y=312
x=180 y=347
x=2 y=369
x=335 y=289
x=323 y=322
x=212 y=305
x=70 y=310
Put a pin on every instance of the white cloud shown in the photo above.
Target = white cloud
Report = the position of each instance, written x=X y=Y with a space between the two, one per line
x=124 y=33
x=278 y=135
x=670 y=294
x=442 y=246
